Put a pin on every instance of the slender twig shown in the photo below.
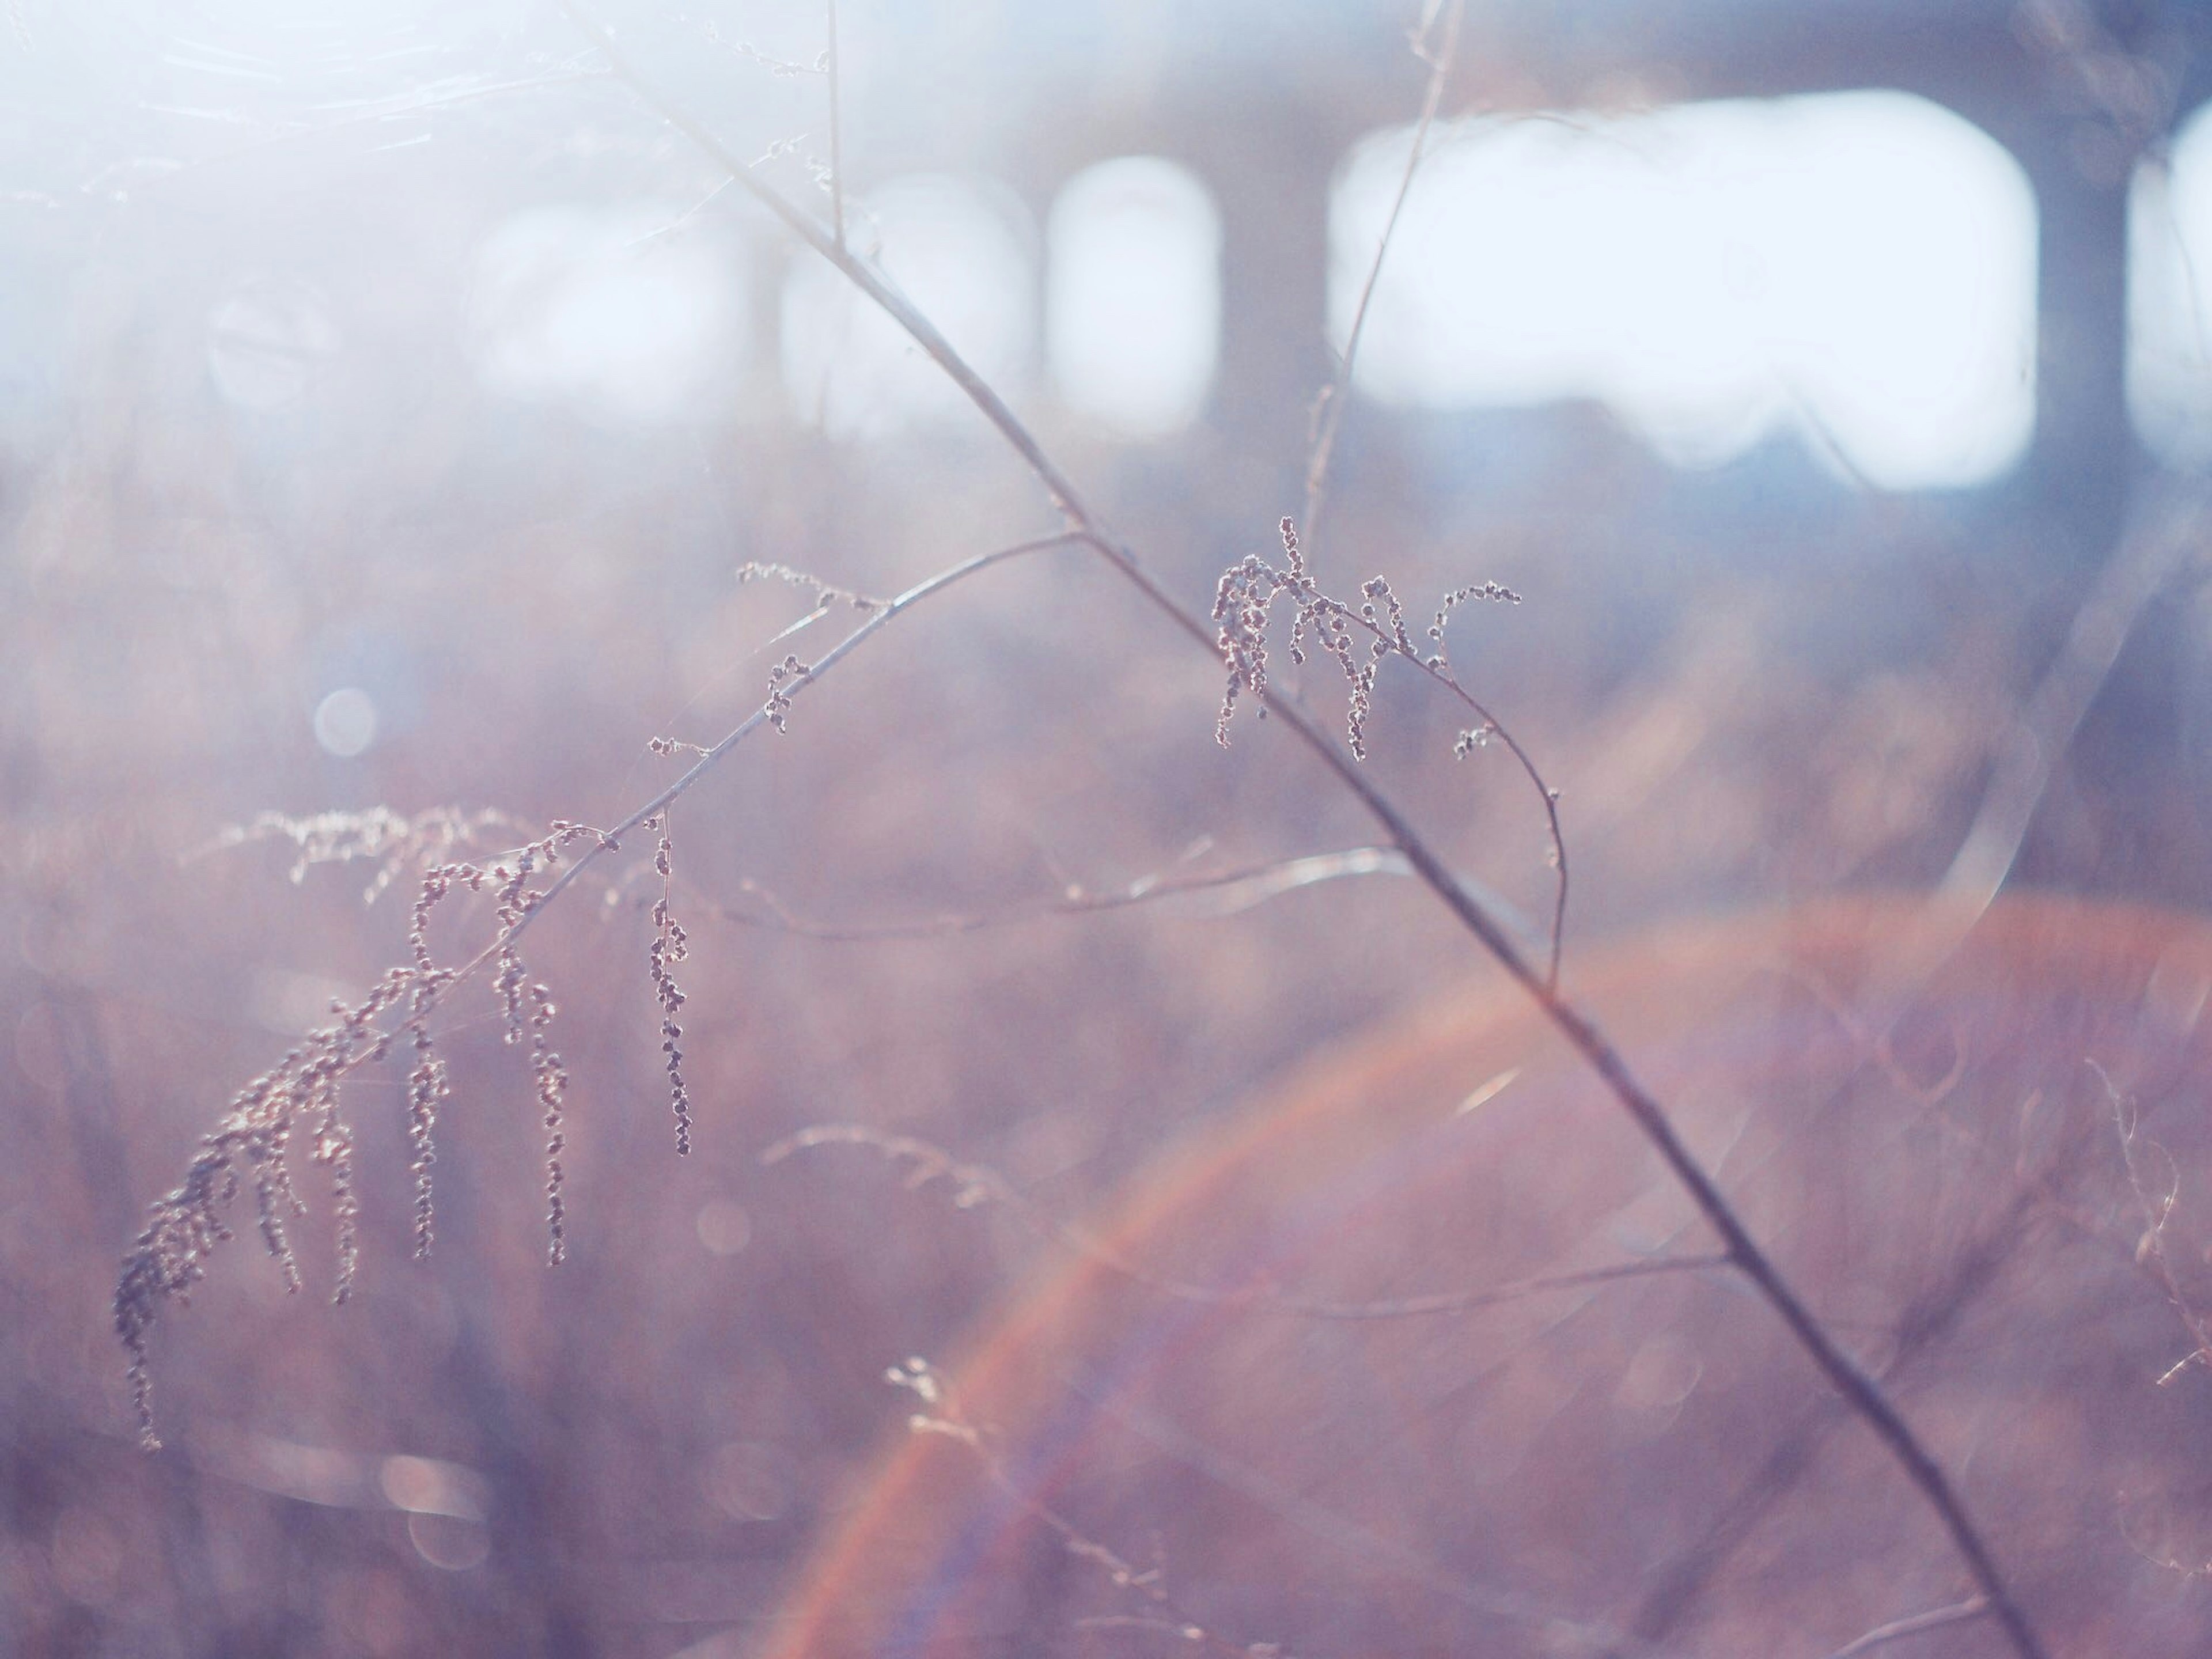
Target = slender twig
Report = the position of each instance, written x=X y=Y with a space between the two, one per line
x=2148 y=555
x=1329 y=408
x=1082 y=521
x=1927 y=1318
x=976 y=1184
x=879 y=619
x=1546 y=794
x=941 y=1415
x=2154 y=548
x=1298 y=1507
x=1221 y=893
x=1974 y=1607
x=2156 y=1213
x=836 y=134
x=1394 y=640
x=376 y=109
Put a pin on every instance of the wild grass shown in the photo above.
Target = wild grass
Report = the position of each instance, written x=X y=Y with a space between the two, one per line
x=297 y=1107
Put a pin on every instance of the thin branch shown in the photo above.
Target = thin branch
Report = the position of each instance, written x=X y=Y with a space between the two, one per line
x=359 y=112
x=2158 y=541
x=1959 y=1612
x=975 y=1185
x=878 y=620
x=1297 y=1507
x=879 y=287
x=1927 y=1319
x=1329 y=408
x=881 y=614
x=782 y=68
x=1081 y=519
x=1228 y=892
x=343 y=838
x=2152 y=1252
x=940 y=1415
x=836 y=132
x=1241 y=607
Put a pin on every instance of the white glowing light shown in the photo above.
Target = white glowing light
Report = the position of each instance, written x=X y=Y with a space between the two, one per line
x=963 y=250
x=630 y=313
x=1132 y=304
x=1860 y=266
x=345 y=722
x=723 y=1227
x=2170 y=299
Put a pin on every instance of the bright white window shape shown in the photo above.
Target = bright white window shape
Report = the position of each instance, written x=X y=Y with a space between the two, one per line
x=628 y=313
x=1133 y=301
x=1860 y=266
x=2170 y=299
x=963 y=250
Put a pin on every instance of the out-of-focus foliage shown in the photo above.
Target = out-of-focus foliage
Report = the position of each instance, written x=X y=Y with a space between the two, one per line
x=387 y=405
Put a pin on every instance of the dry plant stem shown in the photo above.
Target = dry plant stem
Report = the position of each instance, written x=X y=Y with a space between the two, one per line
x=878 y=620
x=301 y=135
x=1958 y=1613
x=1544 y=793
x=941 y=1416
x=1240 y=608
x=1230 y=891
x=2147 y=558
x=836 y=131
x=1328 y=411
x=1297 y=1507
x=976 y=1184
x=2155 y=1214
x=1174 y=1622
x=1857 y=1387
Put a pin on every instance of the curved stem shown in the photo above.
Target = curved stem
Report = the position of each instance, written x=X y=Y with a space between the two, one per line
x=881 y=618
x=1328 y=412
x=1435 y=670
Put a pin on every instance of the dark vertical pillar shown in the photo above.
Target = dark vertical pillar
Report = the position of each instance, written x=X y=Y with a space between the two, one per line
x=1270 y=166
x=2085 y=450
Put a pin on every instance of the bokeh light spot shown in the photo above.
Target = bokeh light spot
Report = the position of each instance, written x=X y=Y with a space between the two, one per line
x=724 y=1227
x=345 y=722
x=1860 y=266
x=1133 y=298
x=628 y=314
x=2170 y=299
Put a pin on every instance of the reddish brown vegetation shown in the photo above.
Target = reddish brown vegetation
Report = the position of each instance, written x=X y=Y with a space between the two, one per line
x=1930 y=1140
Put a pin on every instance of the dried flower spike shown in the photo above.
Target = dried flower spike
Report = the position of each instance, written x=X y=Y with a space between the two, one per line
x=671 y=946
